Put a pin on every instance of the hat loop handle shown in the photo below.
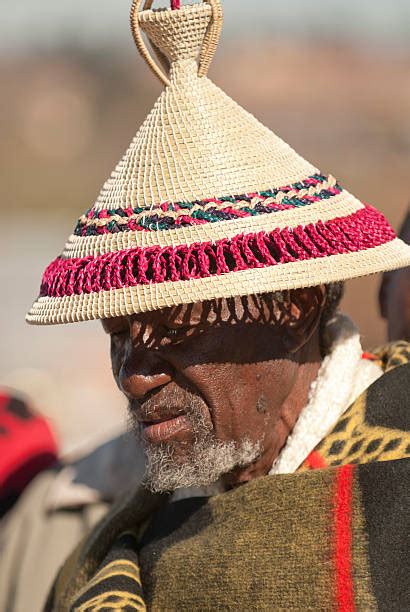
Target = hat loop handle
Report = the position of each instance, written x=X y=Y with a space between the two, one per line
x=207 y=52
x=211 y=38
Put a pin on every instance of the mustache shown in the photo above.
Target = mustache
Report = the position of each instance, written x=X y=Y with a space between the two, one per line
x=169 y=397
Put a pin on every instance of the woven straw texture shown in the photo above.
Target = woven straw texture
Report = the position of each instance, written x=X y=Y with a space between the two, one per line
x=206 y=201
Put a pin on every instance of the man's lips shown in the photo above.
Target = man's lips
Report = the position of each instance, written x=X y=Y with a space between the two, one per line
x=163 y=423
x=165 y=430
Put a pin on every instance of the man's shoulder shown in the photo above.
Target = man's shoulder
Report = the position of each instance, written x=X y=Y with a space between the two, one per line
x=376 y=427
x=393 y=355
x=388 y=399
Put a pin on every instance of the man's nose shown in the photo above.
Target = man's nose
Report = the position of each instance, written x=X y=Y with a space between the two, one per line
x=142 y=372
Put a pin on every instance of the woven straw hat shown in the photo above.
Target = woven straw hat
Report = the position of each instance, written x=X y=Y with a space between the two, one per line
x=206 y=202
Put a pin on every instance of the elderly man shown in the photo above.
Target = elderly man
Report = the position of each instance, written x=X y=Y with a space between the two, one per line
x=276 y=449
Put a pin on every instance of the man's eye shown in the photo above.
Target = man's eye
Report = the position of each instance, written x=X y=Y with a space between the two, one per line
x=172 y=332
x=177 y=333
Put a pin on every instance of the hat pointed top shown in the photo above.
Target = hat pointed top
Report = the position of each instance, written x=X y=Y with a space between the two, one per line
x=190 y=33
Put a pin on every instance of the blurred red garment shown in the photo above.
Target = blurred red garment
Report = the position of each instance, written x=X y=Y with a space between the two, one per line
x=27 y=444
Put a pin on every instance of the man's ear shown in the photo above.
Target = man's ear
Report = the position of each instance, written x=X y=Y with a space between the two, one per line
x=305 y=311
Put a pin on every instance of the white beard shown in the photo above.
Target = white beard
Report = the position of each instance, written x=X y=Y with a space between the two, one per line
x=203 y=463
x=206 y=462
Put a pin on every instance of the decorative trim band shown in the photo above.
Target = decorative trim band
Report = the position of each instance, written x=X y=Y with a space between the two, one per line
x=168 y=215
x=364 y=229
x=338 y=206
x=145 y=298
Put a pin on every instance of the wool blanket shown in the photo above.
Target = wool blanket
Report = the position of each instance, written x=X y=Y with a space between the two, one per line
x=332 y=536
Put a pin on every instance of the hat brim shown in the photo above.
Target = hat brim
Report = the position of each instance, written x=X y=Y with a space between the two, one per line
x=154 y=296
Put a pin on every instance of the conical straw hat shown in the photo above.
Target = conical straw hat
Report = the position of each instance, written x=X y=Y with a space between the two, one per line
x=207 y=202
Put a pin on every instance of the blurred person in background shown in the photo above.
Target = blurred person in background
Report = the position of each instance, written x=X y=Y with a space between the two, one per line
x=394 y=295
x=27 y=447
x=56 y=509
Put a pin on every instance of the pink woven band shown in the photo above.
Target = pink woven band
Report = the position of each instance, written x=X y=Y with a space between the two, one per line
x=361 y=230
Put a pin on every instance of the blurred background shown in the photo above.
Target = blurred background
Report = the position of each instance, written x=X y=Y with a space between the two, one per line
x=330 y=77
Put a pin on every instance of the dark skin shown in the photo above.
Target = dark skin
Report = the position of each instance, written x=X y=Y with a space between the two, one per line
x=249 y=362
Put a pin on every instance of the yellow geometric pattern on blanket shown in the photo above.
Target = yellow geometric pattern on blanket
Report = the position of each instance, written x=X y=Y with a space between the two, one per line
x=112 y=599
x=353 y=440
x=391 y=356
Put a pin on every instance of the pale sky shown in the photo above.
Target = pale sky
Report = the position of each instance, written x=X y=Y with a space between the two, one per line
x=49 y=23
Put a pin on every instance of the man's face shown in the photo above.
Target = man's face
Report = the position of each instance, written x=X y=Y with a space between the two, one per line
x=205 y=385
